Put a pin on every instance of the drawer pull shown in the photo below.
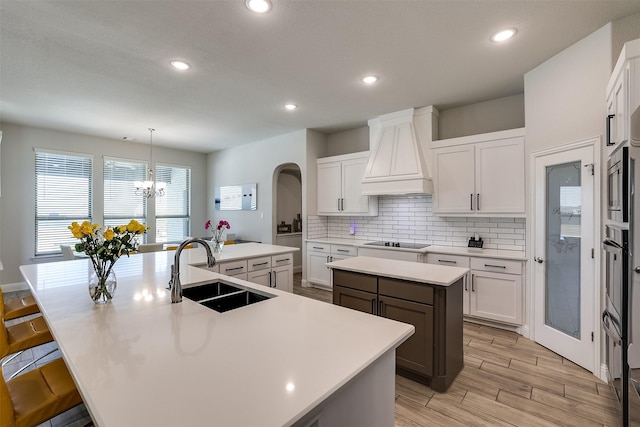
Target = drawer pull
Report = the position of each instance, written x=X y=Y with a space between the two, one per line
x=283 y=260
x=495 y=266
x=234 y=268
x=342 y=250
x=446 y=261
x=318 y=247
x=261 y=263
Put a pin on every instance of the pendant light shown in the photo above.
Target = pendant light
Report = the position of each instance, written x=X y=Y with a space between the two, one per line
x=149 y=188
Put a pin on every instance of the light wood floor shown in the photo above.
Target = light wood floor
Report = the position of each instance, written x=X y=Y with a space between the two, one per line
x=507 y=380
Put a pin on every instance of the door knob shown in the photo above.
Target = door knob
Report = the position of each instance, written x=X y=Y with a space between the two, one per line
x=539 y=260
x=637 y=269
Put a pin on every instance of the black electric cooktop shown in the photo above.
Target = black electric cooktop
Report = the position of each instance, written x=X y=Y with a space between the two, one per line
x=404 y=245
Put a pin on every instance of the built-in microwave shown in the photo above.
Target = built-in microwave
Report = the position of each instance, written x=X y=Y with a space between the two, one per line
x=618 y=195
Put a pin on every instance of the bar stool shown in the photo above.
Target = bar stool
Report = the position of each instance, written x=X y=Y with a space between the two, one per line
x=22 y=336
x=18 y=307
x=36 y=396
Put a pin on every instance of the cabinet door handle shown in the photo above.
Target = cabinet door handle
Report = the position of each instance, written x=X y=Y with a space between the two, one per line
x=373 y=306
x=477 y=202
x=473 y=277
x=269 y=279
x=471 y=198
x=447 y=261
x=609 y=117
x=275 y=279
x=466 y=284
x=380 y=308
x=495 y=266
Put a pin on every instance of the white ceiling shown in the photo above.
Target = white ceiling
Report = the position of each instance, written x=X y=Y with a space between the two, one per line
x=102 y=67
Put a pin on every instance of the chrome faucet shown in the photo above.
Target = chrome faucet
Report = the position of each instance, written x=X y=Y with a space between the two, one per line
x=174 y=283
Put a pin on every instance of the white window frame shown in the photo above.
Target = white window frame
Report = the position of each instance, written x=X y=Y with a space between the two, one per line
x=187 y=217
x=40 y=217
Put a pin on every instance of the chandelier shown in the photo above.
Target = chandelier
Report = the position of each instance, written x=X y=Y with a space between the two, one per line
x=149 y=188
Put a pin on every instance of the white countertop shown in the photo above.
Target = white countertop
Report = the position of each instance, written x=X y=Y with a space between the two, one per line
x=479 y=252
x=453 y=250
x=141 y=360
x=405 y=270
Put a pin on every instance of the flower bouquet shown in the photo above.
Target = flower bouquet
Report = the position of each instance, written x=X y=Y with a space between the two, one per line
x=104 y=247
x=218 y=231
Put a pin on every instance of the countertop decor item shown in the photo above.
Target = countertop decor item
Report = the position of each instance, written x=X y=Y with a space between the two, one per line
x=104 y=246
x=218 y=233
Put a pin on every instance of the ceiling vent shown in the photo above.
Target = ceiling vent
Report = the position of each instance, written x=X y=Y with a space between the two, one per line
x=400 y=153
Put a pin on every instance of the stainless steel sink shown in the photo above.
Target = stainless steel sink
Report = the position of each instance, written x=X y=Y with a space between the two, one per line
x=221 y=296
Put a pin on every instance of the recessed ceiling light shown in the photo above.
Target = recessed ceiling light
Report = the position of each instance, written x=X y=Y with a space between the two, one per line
x=369 y=80
x=290 y=106
x=259 y=6
x=180 y=65
x=503 y=35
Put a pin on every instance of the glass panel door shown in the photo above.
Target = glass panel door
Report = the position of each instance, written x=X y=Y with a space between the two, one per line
x=563 y=211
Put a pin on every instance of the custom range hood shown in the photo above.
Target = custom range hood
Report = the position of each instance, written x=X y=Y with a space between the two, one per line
x=400 y=160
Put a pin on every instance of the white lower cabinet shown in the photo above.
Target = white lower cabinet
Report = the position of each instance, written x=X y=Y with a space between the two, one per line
x=319 y=254
x=492 y=289
x=234 y=268
x=272 y=271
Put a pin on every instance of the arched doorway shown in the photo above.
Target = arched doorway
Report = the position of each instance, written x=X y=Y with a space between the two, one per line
x=287 y=227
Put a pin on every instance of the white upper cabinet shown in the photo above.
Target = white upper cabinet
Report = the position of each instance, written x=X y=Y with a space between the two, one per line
x=617 y=110
x=623 y=98
x=454 y=179
x=480 y=175
x=339 y=188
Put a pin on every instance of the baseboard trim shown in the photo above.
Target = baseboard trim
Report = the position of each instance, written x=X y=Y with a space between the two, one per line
x=15 y=287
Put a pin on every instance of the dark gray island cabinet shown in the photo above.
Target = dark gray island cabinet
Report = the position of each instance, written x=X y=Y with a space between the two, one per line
x=433 y=355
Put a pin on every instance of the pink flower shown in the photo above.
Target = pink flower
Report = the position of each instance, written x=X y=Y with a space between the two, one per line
x=223 y=224
x=207 y=225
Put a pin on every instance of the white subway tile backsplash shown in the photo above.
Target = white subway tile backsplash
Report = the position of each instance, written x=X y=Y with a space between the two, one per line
x=411 y=219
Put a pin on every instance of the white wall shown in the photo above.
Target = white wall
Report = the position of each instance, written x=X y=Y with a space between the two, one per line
x=349 y=141
x=564 y=96
x=17 y=202
x=254 y=162
x=482 y=117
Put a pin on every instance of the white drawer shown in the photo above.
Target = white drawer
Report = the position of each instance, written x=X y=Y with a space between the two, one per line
x=345 y=250
x=284 y=259
x=233 y=268
x=496 y=265
x=450 y=260
x=259 y=263
x=319 y=247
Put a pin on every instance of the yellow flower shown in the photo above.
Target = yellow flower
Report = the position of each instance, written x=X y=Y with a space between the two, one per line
x=75 y=230
x=135 y=227
x=86 y=228
x=109 y=234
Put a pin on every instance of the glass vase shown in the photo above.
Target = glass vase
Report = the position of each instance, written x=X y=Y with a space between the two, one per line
x=217 y=241
x=102 y=287
x=217 y=245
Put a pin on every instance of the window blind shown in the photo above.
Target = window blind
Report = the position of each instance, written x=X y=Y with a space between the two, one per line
x=121 y=204
x=173 y=210
x=63 y=195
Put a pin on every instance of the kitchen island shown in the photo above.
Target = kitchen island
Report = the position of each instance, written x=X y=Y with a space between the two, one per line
x=288 y=360
x=424 y=295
